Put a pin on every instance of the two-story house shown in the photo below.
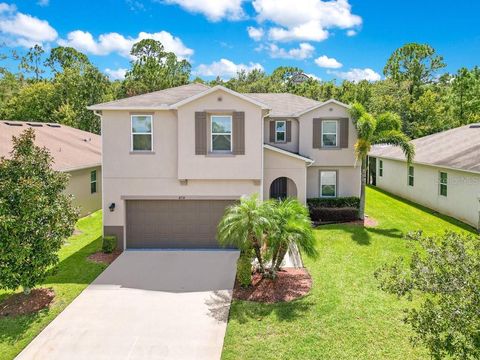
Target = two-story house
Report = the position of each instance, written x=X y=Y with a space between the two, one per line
x=174 y=159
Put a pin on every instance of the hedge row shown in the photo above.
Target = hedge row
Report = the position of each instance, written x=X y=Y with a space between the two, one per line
x=323 y=214
x=339 y=202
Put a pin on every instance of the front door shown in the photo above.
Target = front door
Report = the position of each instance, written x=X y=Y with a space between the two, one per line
x=278 y=189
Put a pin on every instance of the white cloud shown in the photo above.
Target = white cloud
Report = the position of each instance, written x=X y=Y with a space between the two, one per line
x=304 y=51
x=116 y=74
x=224 y=68
x=214 y=10
x=356 y=75
x=306 y=19
x=116 y=43
x=255 y=33
x=43 y=2
x=20 y=29
x=326 y=62
x=351 y=33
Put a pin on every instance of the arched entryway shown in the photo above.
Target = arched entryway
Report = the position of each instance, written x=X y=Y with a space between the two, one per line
x=282 y=187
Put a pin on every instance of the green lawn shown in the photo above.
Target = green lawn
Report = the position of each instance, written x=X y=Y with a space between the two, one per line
x=345 y=316
x=73 y=274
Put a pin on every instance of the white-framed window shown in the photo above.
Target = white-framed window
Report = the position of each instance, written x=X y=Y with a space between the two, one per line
x=380 y=168
x=142 y=132
x=280 y=131
x=411 y=175
x=328 y=183
x=93 y=181
x=443 y=183
x=329 y=133
x=221 y=130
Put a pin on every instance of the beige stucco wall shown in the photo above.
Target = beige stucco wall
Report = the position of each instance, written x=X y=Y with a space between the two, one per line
x=463 y=189
x=326 y=157
x=79 y=187
x=158 y=174
x=348 y=180
x=278 y=165
x=291 y=146
x=191 y=166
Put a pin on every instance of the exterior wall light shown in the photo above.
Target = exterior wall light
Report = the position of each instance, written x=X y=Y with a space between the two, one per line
x=112 y=207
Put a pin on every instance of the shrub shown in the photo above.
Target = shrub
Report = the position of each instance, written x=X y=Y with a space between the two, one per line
x=339 y=202
x=322 y=214
x=109 y=244
x=244 y=268
x=35 y=214
x=442 y=279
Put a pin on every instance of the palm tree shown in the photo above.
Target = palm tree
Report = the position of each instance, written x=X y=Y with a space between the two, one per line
x=291 y=226
x=385 y=129
x=244 y=224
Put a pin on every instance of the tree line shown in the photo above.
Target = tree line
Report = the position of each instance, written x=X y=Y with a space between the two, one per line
x=57 y=87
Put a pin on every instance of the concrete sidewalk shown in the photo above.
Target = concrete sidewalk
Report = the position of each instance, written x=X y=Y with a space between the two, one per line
x=146 y=305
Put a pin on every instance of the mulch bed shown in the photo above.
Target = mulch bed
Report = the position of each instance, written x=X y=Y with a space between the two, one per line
x=289 y=285
x=367 y=222
x=103 y=258
x=21 y=304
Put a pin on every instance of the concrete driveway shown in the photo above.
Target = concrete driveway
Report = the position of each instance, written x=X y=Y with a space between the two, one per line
x=146 y=305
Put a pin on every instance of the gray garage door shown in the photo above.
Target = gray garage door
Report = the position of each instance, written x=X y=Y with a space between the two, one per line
x=173 y=223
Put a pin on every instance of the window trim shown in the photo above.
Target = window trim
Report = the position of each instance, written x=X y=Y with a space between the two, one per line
x=284 y=131
x=336 y=183
x=440 y=183
x=411 y=176
x=132 y=133
x=380 y=167
x=230 y=134
x=93 y=182
x=324 y=133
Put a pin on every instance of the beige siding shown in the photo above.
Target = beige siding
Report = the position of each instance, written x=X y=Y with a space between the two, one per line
x=461 y=202
x=191 y=166
x=79 y=187
x=348 y=180
x=279 y=165
x=327 y=157
x=291 y=146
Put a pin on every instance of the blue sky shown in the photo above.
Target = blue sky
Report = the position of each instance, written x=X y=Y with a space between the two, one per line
x=342 y=39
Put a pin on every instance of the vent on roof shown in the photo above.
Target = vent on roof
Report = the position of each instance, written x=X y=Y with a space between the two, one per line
x=475 y=126
x=13 y=123
x=54 y=125
x=35 y=124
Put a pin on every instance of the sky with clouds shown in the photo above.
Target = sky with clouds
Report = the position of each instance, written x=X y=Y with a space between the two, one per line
x=329 y=39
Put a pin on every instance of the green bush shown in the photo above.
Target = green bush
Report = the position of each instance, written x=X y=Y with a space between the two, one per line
x=321 y=214
x=339 y=202
x=109 y=244
x=244 y=268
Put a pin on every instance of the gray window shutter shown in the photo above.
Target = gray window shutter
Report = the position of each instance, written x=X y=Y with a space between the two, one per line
x=238 y=130
x=272 y=131
x=344 y=132
x=200 y=133
x=317 y=133
x=289 y=130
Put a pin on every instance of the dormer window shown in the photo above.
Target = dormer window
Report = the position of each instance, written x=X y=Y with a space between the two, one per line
x=221 y=130
x=280 y=131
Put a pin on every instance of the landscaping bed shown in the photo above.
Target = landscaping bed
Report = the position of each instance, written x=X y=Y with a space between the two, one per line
x=290 y=284
x=104 y=258
x=21 y=304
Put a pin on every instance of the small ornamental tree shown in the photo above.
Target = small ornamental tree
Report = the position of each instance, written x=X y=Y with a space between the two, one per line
x=444 y=276
x=35 y=214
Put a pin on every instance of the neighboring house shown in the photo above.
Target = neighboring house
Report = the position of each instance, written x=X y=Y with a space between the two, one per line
x=174 y=159
x=444 y=176
x=74 y=151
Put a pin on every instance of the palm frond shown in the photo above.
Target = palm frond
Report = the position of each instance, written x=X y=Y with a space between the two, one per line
x=397 y=138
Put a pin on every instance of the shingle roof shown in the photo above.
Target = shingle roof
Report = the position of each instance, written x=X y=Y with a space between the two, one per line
x=284 y=104
x=71 y=148
x=156 y=99
x=281 y=104
x=457 y=148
